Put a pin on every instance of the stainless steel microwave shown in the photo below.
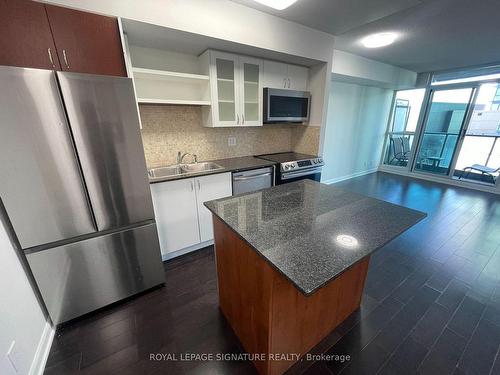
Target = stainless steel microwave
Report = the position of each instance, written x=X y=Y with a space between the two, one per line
x=286 y=105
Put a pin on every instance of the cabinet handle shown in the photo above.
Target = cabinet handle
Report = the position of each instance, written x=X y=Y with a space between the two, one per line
x=191 y=184
x=237 y=119
x=199 y=186
x=65 y=58
x=284 y=83
x=288 y=82
x=50 y=58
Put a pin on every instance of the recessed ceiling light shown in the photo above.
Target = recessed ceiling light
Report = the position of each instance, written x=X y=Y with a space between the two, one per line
x=277 y=4
x=379 y=40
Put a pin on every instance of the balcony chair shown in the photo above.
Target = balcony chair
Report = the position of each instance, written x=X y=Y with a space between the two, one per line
x=480 y=168
x=401 y=150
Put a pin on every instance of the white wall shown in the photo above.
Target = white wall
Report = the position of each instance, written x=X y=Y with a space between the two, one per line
x=360 y=70
x=21 y=318
x=355 y=127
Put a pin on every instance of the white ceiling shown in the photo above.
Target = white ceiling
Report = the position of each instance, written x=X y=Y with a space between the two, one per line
x=434 y=34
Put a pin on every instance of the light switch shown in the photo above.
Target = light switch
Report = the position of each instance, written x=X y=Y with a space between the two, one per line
x=231 y=141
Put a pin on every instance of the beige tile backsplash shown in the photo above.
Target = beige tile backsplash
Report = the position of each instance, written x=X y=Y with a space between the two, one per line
x=168 y=129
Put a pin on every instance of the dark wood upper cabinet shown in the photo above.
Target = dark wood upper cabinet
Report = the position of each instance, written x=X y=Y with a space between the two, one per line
x=25 y=36
x=86 y=42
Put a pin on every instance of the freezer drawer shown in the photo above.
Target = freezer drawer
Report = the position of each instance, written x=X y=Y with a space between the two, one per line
x=81 y=277
x=103 y=117
x=40 y=184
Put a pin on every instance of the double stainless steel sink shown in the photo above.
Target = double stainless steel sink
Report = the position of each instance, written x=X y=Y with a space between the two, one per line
x=182 y=169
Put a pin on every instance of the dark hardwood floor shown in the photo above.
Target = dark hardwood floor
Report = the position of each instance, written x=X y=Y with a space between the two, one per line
x=431 y=303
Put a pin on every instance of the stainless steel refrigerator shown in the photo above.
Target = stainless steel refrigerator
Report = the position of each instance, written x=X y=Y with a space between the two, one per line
x=73 y=183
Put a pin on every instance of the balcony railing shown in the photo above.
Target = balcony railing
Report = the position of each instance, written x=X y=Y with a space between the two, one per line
x=436 y=153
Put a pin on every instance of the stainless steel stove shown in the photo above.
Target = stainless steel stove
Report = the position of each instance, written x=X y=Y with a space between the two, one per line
x=292 y=166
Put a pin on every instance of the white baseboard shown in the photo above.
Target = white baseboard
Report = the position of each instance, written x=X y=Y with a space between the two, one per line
x=447 y=181
x=347 y=177
x=175 y=254
x=42 y=350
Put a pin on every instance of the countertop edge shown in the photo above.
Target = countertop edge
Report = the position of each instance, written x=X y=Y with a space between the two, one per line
x=312 y=291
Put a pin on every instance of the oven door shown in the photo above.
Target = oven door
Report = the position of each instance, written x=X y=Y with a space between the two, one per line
x=310 y=174
x=286 y=105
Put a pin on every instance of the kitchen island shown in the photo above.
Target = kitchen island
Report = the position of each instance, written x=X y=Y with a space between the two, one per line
x=292 y=262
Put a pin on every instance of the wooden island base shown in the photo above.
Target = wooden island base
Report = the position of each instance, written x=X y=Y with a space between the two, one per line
x=268 y=313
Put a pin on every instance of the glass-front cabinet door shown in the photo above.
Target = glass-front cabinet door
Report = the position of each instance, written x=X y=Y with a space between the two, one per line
x=226 y=105
x=250 y=91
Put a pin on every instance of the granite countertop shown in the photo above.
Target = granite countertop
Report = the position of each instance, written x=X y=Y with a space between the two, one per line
x=312 y=232
x=228 y=165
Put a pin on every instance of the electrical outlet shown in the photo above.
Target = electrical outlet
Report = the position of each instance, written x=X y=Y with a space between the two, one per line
x=10 y=356
x=231 y=141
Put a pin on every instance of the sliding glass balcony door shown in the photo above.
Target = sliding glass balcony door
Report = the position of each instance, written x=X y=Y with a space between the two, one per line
x=444 y=123
x=448 y=130
x=479 y=156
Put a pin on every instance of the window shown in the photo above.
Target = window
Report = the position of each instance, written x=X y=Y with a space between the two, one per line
x=458 y=132
x=470 y=75
x=402 y=126
x=495 y=104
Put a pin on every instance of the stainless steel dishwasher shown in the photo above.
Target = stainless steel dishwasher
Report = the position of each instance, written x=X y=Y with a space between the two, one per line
x=254 y=179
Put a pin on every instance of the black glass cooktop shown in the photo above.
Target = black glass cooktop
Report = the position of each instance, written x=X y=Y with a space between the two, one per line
x=283 y=157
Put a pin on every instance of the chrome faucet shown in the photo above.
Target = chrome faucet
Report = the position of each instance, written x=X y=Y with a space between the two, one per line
x=180 y=157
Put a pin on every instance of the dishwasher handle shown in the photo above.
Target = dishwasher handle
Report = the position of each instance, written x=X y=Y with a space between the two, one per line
x=244 y=178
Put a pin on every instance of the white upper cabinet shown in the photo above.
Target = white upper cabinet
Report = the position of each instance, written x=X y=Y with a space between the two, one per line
x=225 y=86
x=275 y=74
x=250 y=91
x=285 y=76
x=236 y=88
x=297 y=77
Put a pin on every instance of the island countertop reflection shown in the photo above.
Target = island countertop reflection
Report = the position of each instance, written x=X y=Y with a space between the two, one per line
x=312 y=232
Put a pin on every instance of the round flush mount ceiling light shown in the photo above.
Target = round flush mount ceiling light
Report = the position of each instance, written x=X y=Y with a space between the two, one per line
x=379 y=40
x=277 y=4
x=346 y=241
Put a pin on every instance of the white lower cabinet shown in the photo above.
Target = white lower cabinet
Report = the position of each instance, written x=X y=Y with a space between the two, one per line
x=208 y=188
x=181 y=218
x=176 y=214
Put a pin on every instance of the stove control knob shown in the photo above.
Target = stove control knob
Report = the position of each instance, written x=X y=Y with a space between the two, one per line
x=286 y=166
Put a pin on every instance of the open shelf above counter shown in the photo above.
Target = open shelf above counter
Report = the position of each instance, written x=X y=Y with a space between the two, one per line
x=154 y=86
x=173 y=101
